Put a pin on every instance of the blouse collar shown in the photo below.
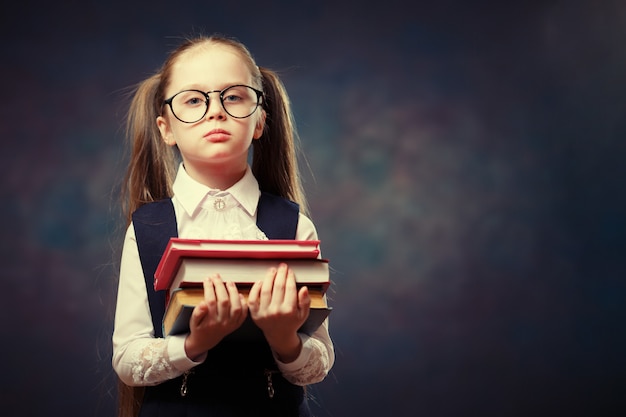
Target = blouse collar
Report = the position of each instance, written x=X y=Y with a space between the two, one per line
x=190 y=193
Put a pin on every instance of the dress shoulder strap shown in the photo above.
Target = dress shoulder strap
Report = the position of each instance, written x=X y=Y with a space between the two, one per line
x=154 y=223
x=277 y=217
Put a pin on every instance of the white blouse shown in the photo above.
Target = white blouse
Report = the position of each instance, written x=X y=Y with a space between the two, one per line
x=201 y=212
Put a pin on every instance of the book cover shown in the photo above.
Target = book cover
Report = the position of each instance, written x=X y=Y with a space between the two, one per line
x=183 y=301
x=178 y=249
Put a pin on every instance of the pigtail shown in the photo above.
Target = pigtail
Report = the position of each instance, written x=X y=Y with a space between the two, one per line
x=274 y=157
x=128 y=399
x=152 y=163
x=148 y=178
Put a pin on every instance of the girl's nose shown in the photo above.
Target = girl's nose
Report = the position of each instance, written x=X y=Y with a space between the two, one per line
x=215 y=110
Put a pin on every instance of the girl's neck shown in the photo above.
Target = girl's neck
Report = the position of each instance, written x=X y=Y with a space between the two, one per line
x=220 y=177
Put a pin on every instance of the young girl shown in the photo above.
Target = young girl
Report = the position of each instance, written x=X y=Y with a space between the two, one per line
x=211 y=102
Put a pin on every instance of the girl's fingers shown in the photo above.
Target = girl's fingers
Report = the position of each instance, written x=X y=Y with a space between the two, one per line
x=209 y=296
x=278 y=291
x=199 y=314
x=291 y=290
x=267 y=286
x=222 y=298
x=238 y=307
x=233 y=294
x=304 y=299
x=254 y=296
x=220 y=288
x=244 y=305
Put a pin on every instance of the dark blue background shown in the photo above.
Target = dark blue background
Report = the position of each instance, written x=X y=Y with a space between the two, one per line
x=467 y=181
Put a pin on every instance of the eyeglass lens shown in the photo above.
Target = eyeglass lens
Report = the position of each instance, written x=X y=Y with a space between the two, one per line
x=238 y=101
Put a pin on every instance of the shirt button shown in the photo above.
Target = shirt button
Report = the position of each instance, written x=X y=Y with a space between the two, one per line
x=219 y=204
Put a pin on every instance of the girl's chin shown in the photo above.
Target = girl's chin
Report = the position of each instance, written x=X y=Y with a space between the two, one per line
x=217 y=160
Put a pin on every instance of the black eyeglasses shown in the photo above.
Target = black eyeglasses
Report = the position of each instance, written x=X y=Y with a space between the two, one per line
x=239 y=101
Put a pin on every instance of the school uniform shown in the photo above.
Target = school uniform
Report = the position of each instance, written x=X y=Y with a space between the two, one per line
x=232 y=379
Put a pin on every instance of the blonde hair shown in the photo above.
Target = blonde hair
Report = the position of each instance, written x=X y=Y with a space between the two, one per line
x=152 y=166
x=153 y=163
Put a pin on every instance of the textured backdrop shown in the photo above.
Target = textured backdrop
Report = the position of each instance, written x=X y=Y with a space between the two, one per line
x=466 y=178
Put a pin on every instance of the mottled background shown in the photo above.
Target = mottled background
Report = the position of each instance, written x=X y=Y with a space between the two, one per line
x=467 y=180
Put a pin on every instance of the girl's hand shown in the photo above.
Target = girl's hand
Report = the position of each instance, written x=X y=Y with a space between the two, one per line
x=279 y=309
x=222 y=312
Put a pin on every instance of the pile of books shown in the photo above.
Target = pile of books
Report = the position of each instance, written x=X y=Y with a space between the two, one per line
x=187 y=262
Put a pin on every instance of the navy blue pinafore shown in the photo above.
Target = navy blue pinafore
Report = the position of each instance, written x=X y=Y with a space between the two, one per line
x=235 y=378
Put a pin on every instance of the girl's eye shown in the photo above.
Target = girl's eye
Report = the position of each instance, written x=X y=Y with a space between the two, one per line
x=189 y=99
x=232 y=98
x=194 y=101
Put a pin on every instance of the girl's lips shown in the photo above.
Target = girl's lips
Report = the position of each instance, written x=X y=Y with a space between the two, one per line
x=217 y=135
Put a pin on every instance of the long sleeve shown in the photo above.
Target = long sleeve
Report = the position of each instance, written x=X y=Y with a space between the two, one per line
x=317 y=355
x=138 y=357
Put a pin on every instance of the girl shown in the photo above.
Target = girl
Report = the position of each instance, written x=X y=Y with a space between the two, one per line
x=211 y=102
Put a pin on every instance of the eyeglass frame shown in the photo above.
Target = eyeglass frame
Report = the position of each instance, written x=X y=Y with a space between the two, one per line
x=259 y=96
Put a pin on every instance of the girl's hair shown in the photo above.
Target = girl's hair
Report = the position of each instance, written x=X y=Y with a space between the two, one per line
x=153 y=163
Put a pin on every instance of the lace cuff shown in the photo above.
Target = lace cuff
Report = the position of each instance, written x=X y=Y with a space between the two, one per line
x=316 y=364
x=150 y=363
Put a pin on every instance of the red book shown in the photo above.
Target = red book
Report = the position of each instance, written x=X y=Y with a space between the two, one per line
x=230 y=253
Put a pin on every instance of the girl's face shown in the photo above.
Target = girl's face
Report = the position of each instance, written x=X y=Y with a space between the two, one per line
x=217 y=145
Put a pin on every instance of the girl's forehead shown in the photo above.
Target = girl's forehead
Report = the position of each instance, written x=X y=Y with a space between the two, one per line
x=210 y=64
x=209 y=61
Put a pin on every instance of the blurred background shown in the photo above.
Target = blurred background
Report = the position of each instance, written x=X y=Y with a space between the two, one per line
x=466 y=179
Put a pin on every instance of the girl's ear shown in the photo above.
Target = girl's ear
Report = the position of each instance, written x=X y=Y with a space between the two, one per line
x=166 y=132
x=260 y=125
